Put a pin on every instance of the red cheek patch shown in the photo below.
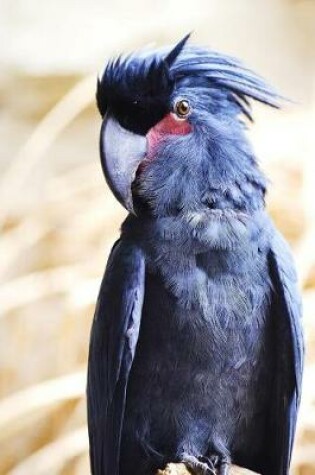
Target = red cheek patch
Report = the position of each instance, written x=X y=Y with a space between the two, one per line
x=169 y=125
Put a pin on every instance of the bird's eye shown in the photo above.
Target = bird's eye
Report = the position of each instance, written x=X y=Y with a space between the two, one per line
x=182 y=108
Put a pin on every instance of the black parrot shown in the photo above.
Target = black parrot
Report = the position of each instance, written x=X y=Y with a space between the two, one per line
x=196 y=348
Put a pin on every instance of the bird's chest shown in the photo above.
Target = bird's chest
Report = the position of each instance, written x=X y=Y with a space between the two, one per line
x=202 y=352
x=223 y=288
x=204 y=315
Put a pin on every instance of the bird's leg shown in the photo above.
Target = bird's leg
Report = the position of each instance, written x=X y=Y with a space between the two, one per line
x=199 y=465
x=223 y=466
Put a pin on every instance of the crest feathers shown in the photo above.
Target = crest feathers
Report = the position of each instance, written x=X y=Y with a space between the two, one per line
x=172 y=55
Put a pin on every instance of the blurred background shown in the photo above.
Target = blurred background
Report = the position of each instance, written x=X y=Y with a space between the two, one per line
x=58 y=219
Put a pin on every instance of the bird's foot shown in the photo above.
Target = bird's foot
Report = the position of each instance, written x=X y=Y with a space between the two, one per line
x=199 y=465
x=219 y=464
x=212 y=465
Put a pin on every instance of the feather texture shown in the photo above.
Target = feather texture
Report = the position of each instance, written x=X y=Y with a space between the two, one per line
x=214 y=370
x=112 y=347
x=142 y=80
x=287 y=307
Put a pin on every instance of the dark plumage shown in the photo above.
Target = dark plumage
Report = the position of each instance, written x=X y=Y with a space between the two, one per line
x=196 y=347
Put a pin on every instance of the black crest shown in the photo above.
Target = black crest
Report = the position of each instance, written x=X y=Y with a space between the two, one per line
x=137 y=88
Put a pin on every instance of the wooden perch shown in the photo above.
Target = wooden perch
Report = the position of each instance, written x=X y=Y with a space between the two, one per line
x=181 y=469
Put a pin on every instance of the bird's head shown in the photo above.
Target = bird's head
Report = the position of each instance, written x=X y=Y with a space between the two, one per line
x=173 y=138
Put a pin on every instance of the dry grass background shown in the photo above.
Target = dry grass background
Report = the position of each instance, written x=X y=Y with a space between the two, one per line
x=58 y=221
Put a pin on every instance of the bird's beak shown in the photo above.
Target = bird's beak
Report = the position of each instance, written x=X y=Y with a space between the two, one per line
x=121 y=153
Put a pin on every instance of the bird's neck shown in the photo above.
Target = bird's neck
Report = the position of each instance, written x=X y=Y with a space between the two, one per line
x=197 y=231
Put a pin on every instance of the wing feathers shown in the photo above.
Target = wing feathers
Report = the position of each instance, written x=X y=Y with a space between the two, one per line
x=290 y=351
x=112 y=348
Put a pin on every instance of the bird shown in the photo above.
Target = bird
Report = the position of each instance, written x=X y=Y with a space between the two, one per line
x=196 y=346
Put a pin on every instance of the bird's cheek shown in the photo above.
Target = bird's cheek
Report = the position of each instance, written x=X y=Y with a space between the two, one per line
x=168 y=126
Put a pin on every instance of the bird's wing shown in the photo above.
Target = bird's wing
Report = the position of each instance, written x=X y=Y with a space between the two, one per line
x=289 y=350
x=113 y=343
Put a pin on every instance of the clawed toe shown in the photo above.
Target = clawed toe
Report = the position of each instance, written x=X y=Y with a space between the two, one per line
x=213 y=465
x=199 y=466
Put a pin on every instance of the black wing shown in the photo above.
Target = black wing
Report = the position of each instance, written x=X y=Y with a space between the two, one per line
x=289 y=350
x=113 y=342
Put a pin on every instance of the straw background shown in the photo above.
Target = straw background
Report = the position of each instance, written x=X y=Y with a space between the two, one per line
x=58 y=219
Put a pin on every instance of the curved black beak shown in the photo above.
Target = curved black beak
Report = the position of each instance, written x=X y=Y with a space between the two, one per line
x=121 y=153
